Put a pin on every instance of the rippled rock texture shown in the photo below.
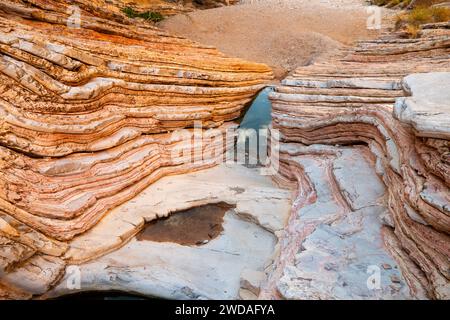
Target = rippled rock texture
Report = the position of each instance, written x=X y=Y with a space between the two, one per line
x=89 y=101
x=213 y=269
x=89 y=104
x=169 y=7
x=389 y=99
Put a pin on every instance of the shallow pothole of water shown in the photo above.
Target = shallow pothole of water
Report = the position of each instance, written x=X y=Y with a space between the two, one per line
x=252 y=141
x=258 y=114
x=195 y=226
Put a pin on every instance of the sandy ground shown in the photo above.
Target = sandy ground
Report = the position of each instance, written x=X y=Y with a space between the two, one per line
x=284 y=34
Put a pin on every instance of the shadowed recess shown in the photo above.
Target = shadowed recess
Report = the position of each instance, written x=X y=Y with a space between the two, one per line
x=195 y=226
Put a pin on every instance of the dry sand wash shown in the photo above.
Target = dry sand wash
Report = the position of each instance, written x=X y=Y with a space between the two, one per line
x=282 y=34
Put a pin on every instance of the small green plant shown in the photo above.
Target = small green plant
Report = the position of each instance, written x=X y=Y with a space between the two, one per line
x=152 y=16
x=129 y=12
x=148 y=15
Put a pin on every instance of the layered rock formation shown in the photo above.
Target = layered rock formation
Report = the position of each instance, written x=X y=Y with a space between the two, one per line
x=114 y=9
x=89 y=104
x=332 y=247
x=170 y=270
x=170 y=7
x=95 y=108
x=363 y=99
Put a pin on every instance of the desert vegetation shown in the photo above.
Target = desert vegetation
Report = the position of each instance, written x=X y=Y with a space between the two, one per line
x=417 y=13
x=148 y=15
x=411 y=21
x=406 y=3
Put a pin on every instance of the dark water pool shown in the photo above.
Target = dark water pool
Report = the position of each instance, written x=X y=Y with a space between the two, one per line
x=258 y=115
x=195 y=226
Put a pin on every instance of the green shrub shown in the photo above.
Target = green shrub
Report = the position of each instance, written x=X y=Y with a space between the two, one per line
x=129 y=12
x=152 y=16
x=148 y=15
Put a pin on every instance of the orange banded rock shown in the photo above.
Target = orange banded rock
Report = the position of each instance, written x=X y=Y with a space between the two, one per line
x=95 y=107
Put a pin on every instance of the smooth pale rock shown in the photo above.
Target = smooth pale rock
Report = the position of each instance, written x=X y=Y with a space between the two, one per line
x=110 y=257
x=428 y=108
x=337 y=261
x=172 y=271
x=37 y=275
x=273 y=216
x=357 y=182
x=233 y=184
x=247 y=295
x=340 y=240
x=251 y=280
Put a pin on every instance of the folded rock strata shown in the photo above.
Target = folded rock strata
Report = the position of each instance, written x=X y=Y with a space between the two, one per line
x=336 y=221
x=93 y=107
x=92 y=111
x=110 y=257
x=170 y=7
x=367 y=97
x=114 y=9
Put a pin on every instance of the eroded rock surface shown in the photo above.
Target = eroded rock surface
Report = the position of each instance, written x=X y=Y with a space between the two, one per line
x=89 y=104
x=334 y=232
x=92 y=119
x=168 y=7
x=170 y=270
x=367 y=97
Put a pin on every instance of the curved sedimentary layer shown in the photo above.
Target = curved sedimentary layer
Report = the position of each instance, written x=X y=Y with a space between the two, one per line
x=211 y=270
x=171 y=7
x=94 y=107
x=81 y=90
x=362 y=98
x=114 y=9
